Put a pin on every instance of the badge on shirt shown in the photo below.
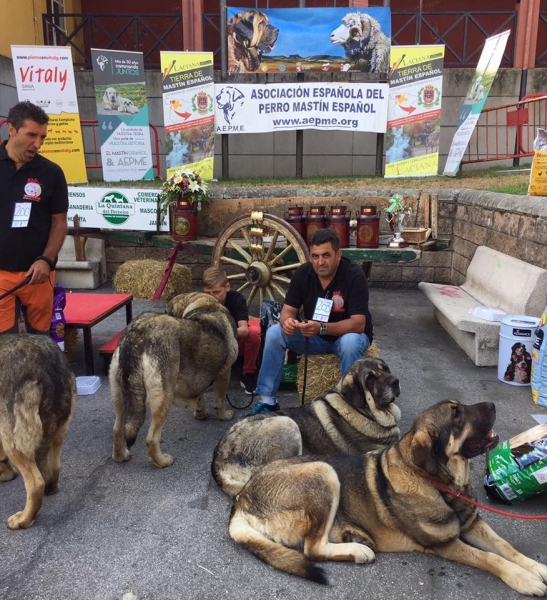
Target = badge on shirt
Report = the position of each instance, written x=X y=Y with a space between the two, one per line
x=21 y=214
x=322 y=310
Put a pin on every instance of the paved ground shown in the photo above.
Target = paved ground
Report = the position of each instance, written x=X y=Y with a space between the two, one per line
x=134 y=532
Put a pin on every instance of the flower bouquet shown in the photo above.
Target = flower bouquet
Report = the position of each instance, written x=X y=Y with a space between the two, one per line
x=186 y=185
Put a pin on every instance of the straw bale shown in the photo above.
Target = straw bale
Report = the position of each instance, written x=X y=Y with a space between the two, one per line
x=324 y=372
x=140 y=278
x=71 y=338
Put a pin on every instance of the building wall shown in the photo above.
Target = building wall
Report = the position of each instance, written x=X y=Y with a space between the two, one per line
x=515 y=225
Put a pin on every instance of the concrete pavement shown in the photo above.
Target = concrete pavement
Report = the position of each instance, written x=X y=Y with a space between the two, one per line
x=134 y=532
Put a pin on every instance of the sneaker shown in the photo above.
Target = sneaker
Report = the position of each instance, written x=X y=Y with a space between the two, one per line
x=248 y=383
x=261 y=408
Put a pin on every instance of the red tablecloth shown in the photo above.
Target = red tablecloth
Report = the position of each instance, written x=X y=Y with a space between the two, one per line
x=86 y=308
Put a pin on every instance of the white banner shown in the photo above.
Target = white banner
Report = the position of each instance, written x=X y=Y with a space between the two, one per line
x=115 y=208
x=45 y=76
x=487 y=67
x=261 y=108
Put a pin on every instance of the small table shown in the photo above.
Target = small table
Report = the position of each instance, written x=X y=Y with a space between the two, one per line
x=83 y=311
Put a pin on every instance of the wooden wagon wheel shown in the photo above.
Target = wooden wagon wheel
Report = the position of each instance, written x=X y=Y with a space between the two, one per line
x=261 y=268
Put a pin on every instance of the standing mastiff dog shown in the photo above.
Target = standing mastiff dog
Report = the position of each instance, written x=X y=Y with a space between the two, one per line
x=37 y=395
x=170 y=359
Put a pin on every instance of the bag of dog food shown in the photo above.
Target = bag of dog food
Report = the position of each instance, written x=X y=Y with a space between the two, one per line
x=517 y=468
x=538 y=376
x=538 y=173
x=58 y=320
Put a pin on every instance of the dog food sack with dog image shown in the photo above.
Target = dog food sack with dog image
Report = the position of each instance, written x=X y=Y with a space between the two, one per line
x=538 y=174
x=517 y=468
x=58 y=320
x=539 y=363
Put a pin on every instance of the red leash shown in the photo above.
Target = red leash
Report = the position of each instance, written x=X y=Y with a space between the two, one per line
x=478 y=504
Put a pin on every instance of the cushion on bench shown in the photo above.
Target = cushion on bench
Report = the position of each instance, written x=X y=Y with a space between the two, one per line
x=494 y=280
x=112 y=344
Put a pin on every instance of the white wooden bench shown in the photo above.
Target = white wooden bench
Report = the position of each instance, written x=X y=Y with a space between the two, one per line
x=493 y=280
x=86 y=274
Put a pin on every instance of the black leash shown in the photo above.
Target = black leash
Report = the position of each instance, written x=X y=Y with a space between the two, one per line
x=14 y=289
x=306 y=348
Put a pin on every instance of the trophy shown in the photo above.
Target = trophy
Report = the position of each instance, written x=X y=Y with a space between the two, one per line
x=396 y=215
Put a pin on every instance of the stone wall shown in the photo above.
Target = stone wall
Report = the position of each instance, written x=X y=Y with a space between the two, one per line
x=515 y=225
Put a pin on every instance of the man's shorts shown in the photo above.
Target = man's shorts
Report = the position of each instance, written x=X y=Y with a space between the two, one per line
x=37 y=300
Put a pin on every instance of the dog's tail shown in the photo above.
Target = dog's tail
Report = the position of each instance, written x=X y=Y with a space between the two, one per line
x=129 y=395
x=274 y=554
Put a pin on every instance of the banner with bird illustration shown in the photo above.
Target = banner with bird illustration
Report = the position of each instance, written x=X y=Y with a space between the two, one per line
x=414 y=111
x=122 y=114
x=187 y=81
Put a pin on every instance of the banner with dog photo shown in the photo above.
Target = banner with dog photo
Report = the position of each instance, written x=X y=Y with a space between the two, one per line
x=414 y=111
x=122 y=111
x=44 y=75
x=475 y=99
x=188 y=111
x=295 y=40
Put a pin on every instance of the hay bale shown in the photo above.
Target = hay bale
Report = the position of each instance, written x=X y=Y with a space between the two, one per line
x=71 y=338
x=141 y=278
x=324 y=372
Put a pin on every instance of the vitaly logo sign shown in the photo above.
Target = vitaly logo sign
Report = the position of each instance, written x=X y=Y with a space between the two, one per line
x=115 y=208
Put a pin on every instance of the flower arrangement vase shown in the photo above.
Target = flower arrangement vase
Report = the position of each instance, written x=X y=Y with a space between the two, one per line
x=184 y=223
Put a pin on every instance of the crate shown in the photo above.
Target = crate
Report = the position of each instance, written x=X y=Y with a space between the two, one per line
x=416 y=235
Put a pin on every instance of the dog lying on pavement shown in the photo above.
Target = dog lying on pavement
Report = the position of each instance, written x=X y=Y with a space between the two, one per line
x=346 y=508
x=358 y=416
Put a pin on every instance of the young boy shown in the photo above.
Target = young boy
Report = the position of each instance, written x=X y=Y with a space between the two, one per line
x=215 y=282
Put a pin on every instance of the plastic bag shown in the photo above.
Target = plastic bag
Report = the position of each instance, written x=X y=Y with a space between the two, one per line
x=517 y=469
x=538 y=376
x=58 y=320
x=538 y=173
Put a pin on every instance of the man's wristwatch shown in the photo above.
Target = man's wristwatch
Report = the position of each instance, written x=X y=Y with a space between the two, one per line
x=323 y=329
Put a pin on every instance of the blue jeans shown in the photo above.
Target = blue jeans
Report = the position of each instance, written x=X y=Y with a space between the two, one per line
x=349 y=348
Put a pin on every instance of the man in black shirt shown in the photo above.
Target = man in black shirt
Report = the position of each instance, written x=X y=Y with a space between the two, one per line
x=333 y=295
x=33 y=219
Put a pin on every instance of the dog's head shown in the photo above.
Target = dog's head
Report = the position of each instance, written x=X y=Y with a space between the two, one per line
x=102 y=61
x=371 y=389
x=446 y=435
x=252 y=33
x=111 y=95
x=518 y=350
x=127 y=106
x=182 y=305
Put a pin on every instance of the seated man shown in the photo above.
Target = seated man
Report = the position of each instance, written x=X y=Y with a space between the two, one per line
x=347 y=331
x=215 y=282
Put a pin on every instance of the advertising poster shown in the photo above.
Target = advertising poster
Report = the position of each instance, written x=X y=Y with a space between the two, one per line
x=115 y=208
x=478 y=91
x=188 y=111
x=122 y=112
x=44 y=75
x=414 y=111
x=259 y=108
x=295 y=40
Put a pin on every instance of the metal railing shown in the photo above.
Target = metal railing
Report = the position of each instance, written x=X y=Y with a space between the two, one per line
x=92 y=144
x=147 y=33
x=507 y=131
x=463 y=33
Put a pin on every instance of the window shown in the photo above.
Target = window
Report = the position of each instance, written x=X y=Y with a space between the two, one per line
x=57 y=9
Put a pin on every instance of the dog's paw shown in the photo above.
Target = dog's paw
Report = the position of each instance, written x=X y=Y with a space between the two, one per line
x=51 y=488
x=200 y=414
x=7 y=472
x=363 y=554
x=539 y=570
x=162 y=460
x=525 y=582
x=18 y=521
x=225 y=415
x=122 y=456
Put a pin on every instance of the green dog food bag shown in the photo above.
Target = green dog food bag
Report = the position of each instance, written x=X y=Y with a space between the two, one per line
x=517 y=468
